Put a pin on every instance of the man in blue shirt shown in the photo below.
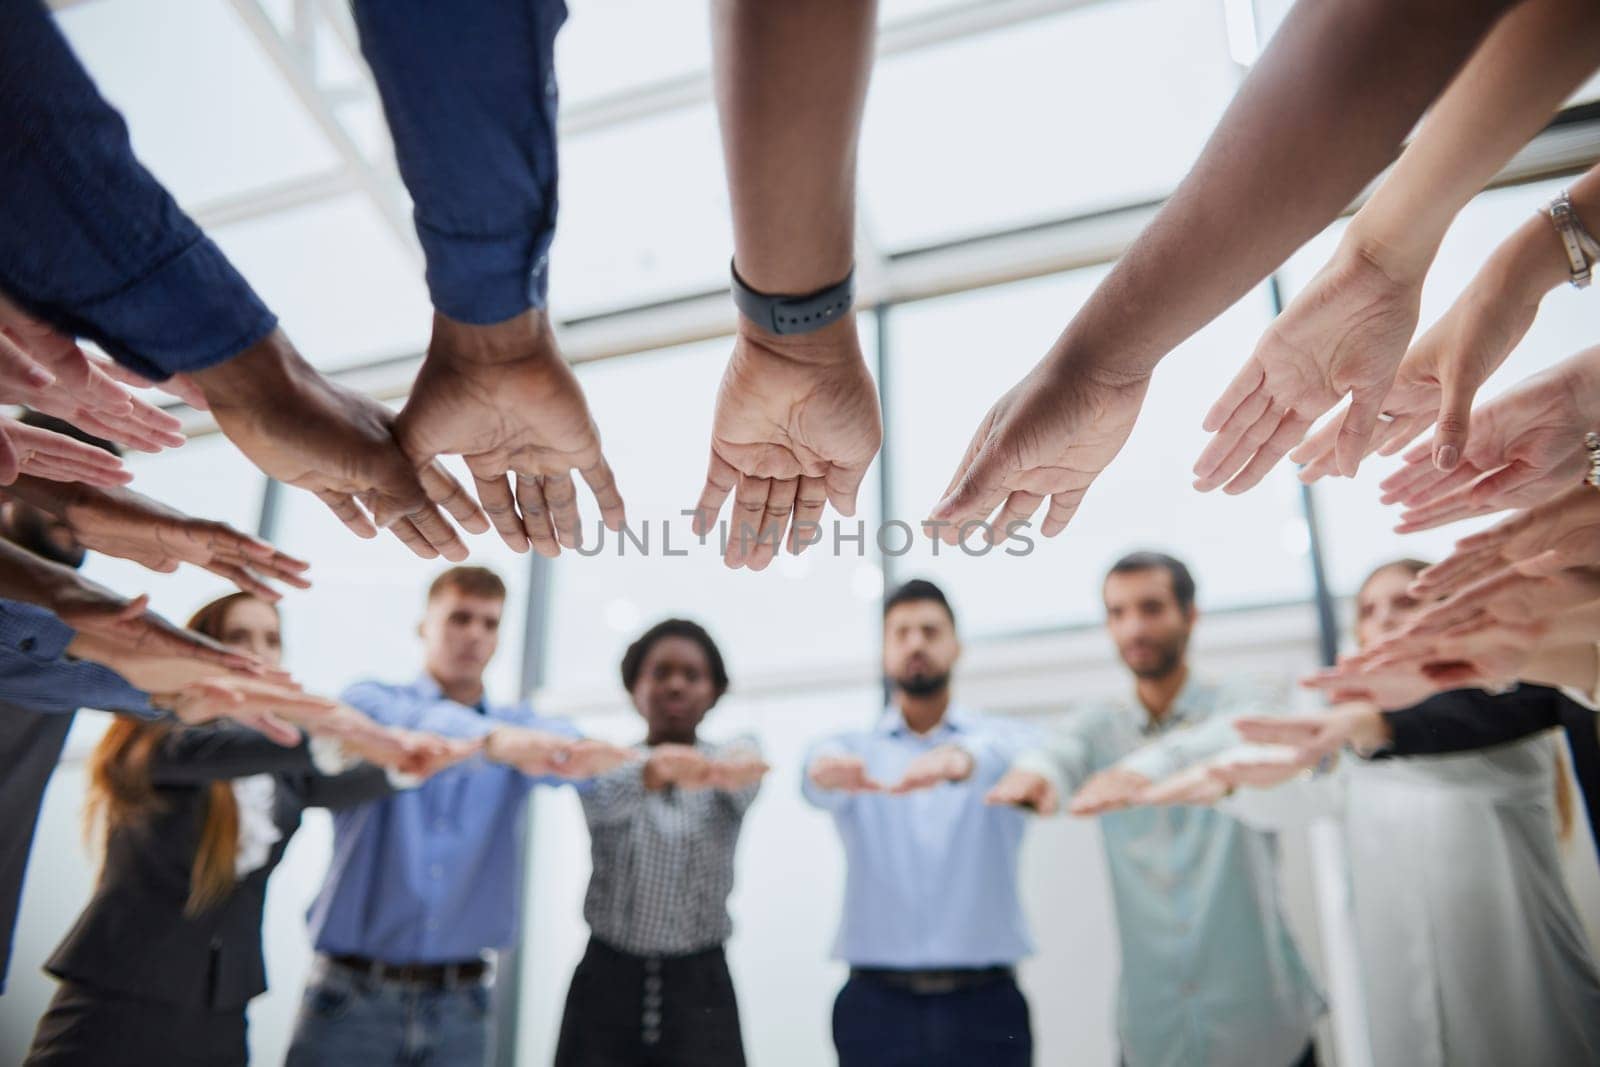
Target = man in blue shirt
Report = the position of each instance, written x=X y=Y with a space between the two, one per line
x=932 y=925
x=1211 y=976
x=423 y=883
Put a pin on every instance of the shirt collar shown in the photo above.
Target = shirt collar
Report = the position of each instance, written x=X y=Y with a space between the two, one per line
x=1187 y=706
x=429 y=689
x=956 y=720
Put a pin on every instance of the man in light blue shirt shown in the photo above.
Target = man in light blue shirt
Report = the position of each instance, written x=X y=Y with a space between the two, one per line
x=1211 y=976
x=423 y=883
x=932 y=924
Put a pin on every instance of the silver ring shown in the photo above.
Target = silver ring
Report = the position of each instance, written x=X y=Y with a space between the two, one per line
x=1385 y=417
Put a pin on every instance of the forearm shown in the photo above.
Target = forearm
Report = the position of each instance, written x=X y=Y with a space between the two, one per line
x=48 y=496
x=1532 y=60
x=31 y=579
x=469 y=92
x=791 y=81
x=196 y=755
x=1325 y=108
x=102 y=250
x=1572 y=665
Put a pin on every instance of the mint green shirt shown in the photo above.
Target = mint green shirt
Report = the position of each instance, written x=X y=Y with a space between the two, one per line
x=1210 y=974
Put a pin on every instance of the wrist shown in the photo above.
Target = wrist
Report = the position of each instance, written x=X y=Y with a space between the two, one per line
x=526 y=337
x=1401 y=258
x=1530 y=263
x=263 y=374
x=834 y=344
x=1369 y=731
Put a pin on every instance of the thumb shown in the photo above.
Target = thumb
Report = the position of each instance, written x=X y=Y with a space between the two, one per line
x=1455 y=415
x=1356 y=429
x=977 y=491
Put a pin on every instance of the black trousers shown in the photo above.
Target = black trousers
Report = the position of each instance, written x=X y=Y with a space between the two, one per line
x=650 y=1011
x=90 y=1027
x=876 y=1024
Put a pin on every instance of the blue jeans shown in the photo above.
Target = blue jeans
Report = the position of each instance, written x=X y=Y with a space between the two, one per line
x=347 y=1018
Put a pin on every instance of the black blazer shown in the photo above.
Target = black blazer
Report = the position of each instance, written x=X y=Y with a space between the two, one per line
x=135 y=936
x=30 y=748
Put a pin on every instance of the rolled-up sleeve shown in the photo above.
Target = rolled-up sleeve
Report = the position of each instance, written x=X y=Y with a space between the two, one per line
x=469 y=90
x=92 y=241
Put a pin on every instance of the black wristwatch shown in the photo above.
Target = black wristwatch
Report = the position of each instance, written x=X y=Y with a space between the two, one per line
x=794 y=314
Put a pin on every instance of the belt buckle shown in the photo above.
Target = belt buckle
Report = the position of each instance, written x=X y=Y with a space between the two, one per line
x=930 y=985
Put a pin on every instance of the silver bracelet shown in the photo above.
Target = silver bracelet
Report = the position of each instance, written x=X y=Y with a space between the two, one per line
x=1591 y=445
x=1583 y=251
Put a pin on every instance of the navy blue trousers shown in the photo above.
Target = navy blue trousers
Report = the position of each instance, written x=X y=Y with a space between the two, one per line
x=879 y=1025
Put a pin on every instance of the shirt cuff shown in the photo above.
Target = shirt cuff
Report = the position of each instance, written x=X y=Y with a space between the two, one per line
x=33 y=631
x=328 y=755
x=191 y=312
x=488 y=278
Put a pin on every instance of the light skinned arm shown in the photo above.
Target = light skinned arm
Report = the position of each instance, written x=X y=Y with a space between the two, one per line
x=1352 y=323
x=1444 y=369
x=1311 y=124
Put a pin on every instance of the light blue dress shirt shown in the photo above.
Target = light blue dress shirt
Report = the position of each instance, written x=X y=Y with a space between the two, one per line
x=429 y=875
x=1211 y=976
x=931 y=876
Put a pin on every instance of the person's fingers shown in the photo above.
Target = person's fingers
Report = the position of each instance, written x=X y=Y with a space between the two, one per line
x=1019 y=508
x=432 y=524
x=1455 y=572
x=536 y=515
x=1459 y=385
x=246 y=581
x=843 y=484
x=1288 y=434
x=280 y=566
x=775 y=521
x=1360 y=422
x=1496 y=490
x=561 y=497
x=979 y=489
x=1248 y=383
x=1417 y=478
x=494 y=493
x=721 y=479
x=270 y=726
x=1225 y=455
x=745 y=518
x=1443 y=512
x=1269 y=730
x=603 y=484
x=811 y=497
x=344 y=506
x=56 y=470
x=1406 y=429
x=442 y=488
x=1063 y=506
x=19 y=373
x=412 y=538
x=1318 y=447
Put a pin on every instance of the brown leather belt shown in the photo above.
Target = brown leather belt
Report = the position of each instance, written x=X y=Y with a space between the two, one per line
x=430 y=975
x=934 y=982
